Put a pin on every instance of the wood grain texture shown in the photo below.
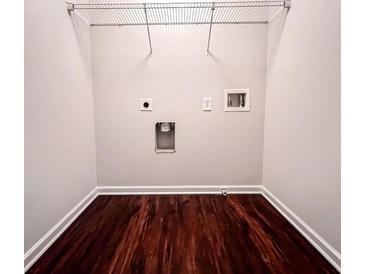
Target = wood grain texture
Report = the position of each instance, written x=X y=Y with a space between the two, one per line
x=181 y=234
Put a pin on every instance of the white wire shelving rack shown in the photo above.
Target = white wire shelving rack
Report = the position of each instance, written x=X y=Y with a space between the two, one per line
x=182 y=13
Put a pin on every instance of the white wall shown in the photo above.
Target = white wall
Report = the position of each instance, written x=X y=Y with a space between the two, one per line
x=302 y=124
x=211 y=147
x=59 y=124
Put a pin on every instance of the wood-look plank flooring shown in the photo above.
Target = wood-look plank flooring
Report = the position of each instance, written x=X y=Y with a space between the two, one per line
x=181 y=234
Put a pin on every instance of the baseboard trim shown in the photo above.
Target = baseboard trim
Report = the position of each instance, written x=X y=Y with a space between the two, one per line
x=184 y=189
x=329 y=252
x=36 y=251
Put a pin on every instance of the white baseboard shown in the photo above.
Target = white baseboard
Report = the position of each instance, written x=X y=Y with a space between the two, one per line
x=36 y=251
x=329 y=252
x=185 y=189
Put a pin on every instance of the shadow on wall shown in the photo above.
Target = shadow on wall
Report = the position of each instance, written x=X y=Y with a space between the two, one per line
x=82 y=34
x=275 y=36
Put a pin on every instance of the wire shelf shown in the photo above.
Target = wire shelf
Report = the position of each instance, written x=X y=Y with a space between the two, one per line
x=185 y=13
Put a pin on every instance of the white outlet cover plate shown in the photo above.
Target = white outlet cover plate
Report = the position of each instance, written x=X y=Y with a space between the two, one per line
x=207 y=104
x=148 y=102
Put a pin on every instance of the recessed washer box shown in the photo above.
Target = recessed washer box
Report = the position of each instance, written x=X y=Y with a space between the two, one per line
x=146 y=104
x=237 y=99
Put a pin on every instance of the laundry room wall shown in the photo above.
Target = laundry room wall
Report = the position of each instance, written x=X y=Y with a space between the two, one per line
x=302 y=156
x=212 y=148
x=60 y=168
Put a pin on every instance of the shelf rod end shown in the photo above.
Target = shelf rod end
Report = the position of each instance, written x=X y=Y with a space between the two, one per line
x=70 y=7
x=287 y=4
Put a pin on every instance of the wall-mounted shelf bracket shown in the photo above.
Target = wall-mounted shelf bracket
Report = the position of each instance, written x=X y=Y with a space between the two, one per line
x=70 y=7
x=148 y=28
x=210 y=26
x=287 y=4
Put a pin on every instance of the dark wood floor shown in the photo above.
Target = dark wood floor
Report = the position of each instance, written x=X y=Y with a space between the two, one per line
x=181 y=234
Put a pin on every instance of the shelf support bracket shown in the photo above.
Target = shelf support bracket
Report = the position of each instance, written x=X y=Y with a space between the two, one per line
x=148 y=28
x=70 y=7
x=210 y=26
x=287 y=4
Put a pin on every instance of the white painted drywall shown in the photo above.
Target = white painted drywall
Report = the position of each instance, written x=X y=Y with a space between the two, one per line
x=302 y=121
x=59 y=125
x=214 y=147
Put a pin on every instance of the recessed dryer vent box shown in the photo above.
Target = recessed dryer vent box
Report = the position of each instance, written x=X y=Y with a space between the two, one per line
x=165 y=137
x=237 y=99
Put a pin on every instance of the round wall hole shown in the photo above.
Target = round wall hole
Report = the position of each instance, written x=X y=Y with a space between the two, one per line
x=146 y=104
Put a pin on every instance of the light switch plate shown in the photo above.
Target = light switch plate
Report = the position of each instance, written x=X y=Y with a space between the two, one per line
x=146 y=104
x=207 y=104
